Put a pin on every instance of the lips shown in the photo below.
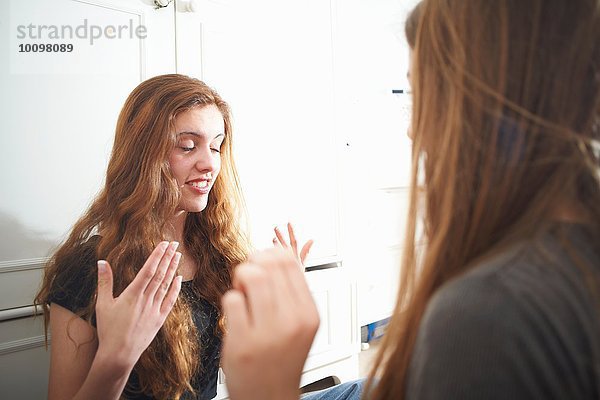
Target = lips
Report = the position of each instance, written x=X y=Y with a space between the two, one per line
x=201 y=186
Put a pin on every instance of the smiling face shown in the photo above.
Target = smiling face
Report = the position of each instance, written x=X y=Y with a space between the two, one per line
x=196 y=159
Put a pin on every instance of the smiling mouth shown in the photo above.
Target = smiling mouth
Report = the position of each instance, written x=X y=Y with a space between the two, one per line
x=199 y=184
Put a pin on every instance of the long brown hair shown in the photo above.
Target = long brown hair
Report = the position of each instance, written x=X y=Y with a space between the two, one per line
x=506 y=98
x=132 y=213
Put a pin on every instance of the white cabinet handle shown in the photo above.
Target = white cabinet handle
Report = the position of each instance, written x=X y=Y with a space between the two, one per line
x=162 y=3
x=335 y=264
x=14 y=313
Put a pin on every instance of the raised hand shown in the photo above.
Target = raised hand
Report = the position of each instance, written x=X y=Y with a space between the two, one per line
x=127 y=324
x=271 y=323
x=293 y=246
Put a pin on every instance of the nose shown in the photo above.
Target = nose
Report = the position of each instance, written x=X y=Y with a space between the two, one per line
x=206 y=161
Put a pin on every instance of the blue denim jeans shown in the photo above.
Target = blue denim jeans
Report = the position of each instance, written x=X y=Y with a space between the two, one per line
x=344 y=391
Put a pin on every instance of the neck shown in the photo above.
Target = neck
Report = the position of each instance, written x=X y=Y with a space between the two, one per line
x=187 y=267
x=178 y=223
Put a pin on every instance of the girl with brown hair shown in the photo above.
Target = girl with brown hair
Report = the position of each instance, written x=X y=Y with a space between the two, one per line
x=500 y=297
x=123 y=329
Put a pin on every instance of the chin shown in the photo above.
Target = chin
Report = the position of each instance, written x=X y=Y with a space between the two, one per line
x=196 y=207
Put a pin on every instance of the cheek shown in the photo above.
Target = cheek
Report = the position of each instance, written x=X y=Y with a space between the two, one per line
x=217 y=168
x=178 y=170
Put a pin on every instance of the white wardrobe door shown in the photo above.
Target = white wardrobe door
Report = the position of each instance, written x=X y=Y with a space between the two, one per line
x=272 y=62
x=59 y=112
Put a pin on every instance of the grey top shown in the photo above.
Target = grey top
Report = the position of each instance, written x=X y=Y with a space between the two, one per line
x=522 y=325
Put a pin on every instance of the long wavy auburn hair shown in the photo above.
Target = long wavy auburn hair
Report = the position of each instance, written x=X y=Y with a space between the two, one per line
x=132 y=214
x=506 y=132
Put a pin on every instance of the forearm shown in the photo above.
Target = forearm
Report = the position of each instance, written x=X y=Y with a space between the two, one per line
x=105 y=380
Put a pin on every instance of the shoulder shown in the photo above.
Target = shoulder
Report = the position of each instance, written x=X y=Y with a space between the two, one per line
x=75 y=282
x=531 y=278
x=475 y=313
x=509 y=328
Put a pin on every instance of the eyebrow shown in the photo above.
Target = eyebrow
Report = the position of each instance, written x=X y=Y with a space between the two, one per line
x=198 y=134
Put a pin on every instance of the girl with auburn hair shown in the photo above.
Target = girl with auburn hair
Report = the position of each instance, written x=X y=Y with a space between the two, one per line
x=166 y=221
x=500 y=298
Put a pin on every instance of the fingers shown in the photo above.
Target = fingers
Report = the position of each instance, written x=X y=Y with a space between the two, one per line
x=280 y=268
x=279 y=238
x=272 y=265
x=105 y=283
x=289 y=269
x=145 y=275
x=305 y=250
x=238 y=331
x=167 y=281
x=275 y=291
x=236 y=310
x=169 y=300
x=293 y=245
x=161 y=271
x=252 y=280
x=293 y=241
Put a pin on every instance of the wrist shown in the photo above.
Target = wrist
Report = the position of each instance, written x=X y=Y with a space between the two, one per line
x=106 y=378
x=111 y=365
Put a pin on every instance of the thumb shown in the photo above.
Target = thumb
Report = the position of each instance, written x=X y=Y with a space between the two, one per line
x=235 y=309
x=105 y=282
